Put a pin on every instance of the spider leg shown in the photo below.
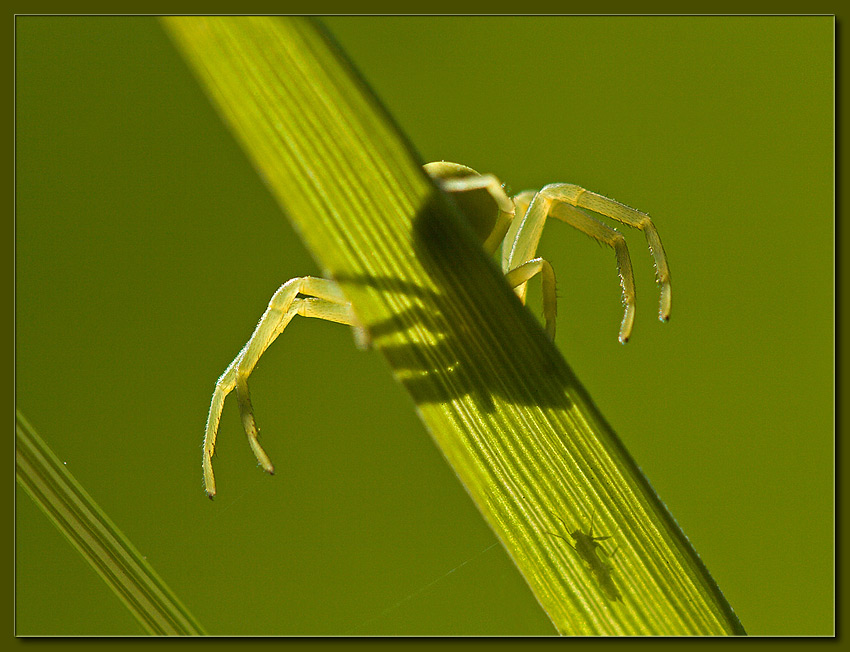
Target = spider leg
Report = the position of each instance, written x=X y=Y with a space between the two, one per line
x=597 y=203
x=486 y=182
x=555 y=200
x=325 y=301
x=520 y=275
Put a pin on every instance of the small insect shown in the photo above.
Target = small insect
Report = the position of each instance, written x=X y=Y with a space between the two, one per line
x=514 y=223
x=586 y=546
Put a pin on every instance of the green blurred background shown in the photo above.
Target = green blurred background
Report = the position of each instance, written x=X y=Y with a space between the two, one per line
x=147 y=249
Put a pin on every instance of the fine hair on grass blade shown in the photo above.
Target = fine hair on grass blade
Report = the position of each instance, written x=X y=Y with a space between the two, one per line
x=105 y=547
x=495 y=394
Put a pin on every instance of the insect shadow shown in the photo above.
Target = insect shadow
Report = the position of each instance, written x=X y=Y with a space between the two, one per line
x=456 y=360
x=587 y=547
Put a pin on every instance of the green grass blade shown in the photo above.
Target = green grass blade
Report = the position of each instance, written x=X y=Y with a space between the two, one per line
x=98 y=539
x=495 y=394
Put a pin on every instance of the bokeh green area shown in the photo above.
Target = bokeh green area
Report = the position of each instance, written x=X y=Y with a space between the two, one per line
x=147 y=248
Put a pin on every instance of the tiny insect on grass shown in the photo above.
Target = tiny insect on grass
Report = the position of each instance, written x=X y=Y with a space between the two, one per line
x=586 y=547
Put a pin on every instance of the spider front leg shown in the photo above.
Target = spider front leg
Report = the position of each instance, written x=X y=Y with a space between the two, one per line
x=564 y=202
x=325 y=301
x=519 y=276
x=638 y=220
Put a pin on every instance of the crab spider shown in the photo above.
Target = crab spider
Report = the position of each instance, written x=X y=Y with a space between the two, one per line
x=514 y=223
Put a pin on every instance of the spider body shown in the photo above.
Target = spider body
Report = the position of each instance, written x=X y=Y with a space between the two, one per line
x=486 y=208
x=516 y=224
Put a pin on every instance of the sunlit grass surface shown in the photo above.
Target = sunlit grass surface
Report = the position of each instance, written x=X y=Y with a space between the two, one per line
x=508 y=414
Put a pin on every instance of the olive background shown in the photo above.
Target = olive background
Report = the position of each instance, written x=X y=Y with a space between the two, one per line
x=147 y=248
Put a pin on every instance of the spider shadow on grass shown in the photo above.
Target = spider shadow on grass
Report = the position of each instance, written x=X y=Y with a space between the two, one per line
x=458 y=358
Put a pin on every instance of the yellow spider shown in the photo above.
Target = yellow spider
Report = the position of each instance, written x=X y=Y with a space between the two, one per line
x=514 y=223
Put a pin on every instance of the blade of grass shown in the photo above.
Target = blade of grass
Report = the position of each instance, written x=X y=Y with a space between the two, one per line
x=43 y=476
x=495 y=394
